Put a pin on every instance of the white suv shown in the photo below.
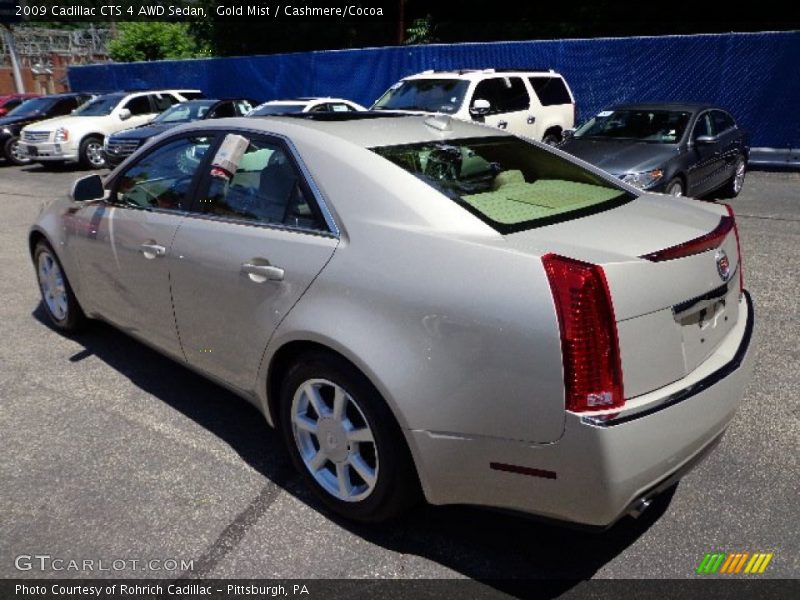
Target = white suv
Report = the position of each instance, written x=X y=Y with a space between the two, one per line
x=534 y=104
x=78 y=137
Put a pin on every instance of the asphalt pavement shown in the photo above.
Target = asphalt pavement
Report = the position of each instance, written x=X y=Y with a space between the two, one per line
x=110 y=451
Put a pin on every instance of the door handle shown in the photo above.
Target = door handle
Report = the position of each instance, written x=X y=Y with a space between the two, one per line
x=262 y=273
x=152 y=250
x=502 y=124
x=531 y=119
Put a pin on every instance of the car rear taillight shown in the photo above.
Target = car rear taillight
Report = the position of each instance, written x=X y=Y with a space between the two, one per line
x=589 y=344
x=729 y=208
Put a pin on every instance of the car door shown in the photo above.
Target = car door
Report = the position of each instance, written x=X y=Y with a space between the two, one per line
x=729 y=145
x=510 y=104
x=124 y=244
x=707 y=157
x=252 y=245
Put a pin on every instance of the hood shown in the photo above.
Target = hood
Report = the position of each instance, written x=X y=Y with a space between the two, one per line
x=620 y=157
x=144 y=132
x=18 y=120
x=53 y=124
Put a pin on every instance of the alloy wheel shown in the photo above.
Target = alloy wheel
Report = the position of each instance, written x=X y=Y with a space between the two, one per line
x=54 y=290
x=334 y=440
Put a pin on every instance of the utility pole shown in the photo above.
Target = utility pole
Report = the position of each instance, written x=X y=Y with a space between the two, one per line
x=401 y=21
x=12 y=51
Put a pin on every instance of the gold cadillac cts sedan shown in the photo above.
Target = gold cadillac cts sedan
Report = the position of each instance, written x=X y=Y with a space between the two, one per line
x=422 y=307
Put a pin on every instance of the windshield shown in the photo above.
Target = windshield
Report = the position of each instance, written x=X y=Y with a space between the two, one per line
x=185 y=112
x=656 y=126
x=428 y=95
x=276 y=109
x=100 y=106
x=510 y=184
x=31 y=107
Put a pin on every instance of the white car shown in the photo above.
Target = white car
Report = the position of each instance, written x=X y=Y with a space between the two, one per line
x=301 y=105
x=534 y=104
x=79 y=137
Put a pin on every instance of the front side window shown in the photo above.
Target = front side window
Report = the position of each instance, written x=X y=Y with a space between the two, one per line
x=139 y=106
x=722 y=121
x=505 y=94
x=163 y=101
x=265 y=188
x=704 y=126
x=652 y=126
x=427 y=95
x=223 y=110
x=508 y=183
x=163 y=178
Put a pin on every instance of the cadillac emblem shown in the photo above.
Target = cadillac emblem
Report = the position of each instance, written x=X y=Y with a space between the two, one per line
x=723 y=265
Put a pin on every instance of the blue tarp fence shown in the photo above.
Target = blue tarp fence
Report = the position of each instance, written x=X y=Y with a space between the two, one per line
x=756 y=76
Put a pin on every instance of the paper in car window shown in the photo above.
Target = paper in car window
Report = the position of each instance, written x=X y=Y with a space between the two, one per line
x=605 y=113
x=229 y=154
x=339 y=108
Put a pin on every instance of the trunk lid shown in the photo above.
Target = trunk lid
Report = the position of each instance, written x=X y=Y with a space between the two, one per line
x=671 y=315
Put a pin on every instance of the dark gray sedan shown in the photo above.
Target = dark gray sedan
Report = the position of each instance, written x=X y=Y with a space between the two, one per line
x=679 y=149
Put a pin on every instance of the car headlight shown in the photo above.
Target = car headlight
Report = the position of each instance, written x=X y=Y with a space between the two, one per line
x=5 y=131
x=62 y=135
x=643 y=180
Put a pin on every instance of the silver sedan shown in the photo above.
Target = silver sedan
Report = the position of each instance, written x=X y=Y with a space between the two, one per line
x=422 y=307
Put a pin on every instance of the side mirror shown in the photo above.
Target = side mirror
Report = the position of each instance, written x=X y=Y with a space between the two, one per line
x=706 y=140
x=568 y=134
x=480 y=108
x=124 y=114
x=87 y=188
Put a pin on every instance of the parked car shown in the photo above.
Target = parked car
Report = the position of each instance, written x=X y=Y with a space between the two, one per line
x=678 y=149
x=119 y=146
x=534 y=104
x=32 y=111
x=421 y=302
x=11 y=101
x=301 y=105
x=79 y=137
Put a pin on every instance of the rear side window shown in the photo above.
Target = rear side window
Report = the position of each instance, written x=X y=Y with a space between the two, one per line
x=550 y=90
x=510 y=184
x=505 y=94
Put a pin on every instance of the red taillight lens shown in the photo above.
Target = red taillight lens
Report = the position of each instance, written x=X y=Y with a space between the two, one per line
x=589 y=344
x=713 y=239
x=729 y=208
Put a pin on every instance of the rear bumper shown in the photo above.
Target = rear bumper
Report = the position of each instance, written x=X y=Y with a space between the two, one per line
x=601 y=469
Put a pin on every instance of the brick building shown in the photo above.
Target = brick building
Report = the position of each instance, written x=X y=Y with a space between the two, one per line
x=45 y=55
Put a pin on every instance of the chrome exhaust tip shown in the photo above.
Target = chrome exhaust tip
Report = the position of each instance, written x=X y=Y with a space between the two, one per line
x=639 y=506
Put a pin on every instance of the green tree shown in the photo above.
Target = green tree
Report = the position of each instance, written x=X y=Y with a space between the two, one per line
x=153 y=40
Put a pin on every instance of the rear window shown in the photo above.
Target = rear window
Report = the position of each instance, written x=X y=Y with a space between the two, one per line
x=510 y=184
x=550 y=90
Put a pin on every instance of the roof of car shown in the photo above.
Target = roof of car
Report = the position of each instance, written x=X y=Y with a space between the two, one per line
x=480 y=73
x=682 y=106
x=365 y=129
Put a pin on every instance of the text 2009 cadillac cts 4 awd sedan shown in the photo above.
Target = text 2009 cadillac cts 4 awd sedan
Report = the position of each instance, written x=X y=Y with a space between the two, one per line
x=421 y=305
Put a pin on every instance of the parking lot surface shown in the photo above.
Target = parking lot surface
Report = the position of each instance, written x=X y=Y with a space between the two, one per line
x=110 y=451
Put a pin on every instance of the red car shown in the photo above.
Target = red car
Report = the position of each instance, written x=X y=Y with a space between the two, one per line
x=12 y=101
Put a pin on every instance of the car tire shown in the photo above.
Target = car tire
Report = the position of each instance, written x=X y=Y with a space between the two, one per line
x=736 y=182
x=11 y=151
x=675 y=187
x=58 y=299
x=357 y=462
x=551 y=138
x=91 y=153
